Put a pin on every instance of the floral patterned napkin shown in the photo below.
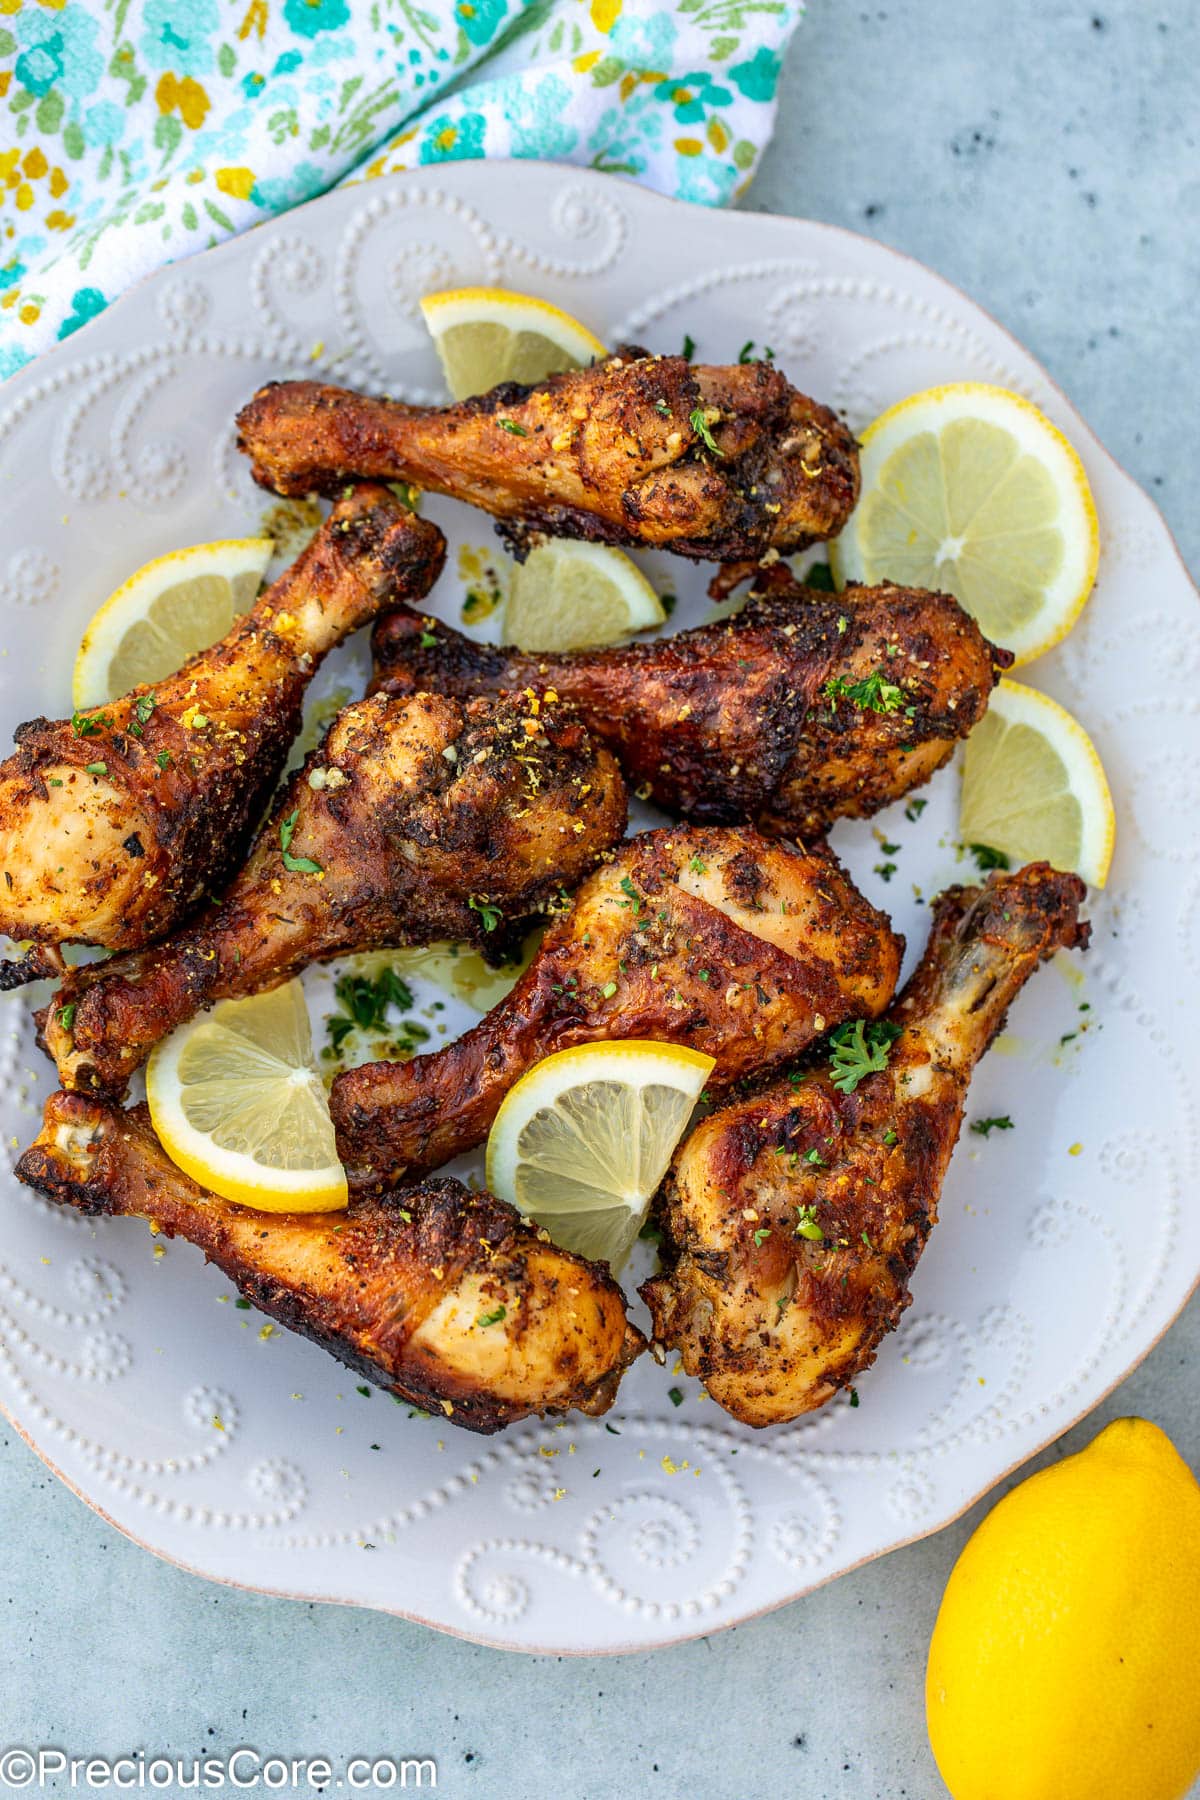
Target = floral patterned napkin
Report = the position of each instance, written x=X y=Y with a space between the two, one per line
x=142 y=130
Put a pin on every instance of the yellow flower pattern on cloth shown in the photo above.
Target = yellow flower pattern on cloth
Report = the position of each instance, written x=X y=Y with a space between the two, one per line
x=147 y=129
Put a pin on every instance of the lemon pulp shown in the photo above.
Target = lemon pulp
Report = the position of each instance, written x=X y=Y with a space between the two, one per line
x=970 y=490
x=569 y=596
x=238 y=1104
x=1035 y=788
x=166 y=612
x=585 y=1137
x=487 y=335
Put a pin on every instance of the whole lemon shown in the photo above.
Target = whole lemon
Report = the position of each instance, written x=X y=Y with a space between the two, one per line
x=1065 y=1662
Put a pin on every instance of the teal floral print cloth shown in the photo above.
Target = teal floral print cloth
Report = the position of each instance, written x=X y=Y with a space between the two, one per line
x=139 y=131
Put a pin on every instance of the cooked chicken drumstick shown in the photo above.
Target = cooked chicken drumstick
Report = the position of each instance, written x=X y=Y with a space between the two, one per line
x=415 y=820
x=743 y=947
x=794 y=1218
x=447 y=1298
x=711 y=462
x=115 y=823
x=803 y=708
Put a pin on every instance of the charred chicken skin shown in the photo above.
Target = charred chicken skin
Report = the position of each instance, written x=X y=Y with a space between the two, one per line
x=711 y=462
x=793 y=1219
x=448 y=1299
x=415 y=820
x=115 y=823
x=803 y=708
x=743 y=947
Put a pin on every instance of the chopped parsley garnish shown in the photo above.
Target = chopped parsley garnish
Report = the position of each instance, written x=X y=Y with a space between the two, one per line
x=100 y=768
x=860 y=1049
x=689 y=347
x=675 y=1396
x=914 y=809
x=365 y=1002
x=163 y=759
x=142 y=707
x=891 y=1137
x=987 y=858
x=806 y=1224
x=854 y=1396
x=699 y=424
x=814 y=1158
x=662 y=407
x=489 y=916
x=492 y=1318
x=820 y=576
x=299 y=865
x=66 y=1015
x=874 y=693
x=511 y=425
x=427 y=640
x=761 y=1236
x=746 y=353
x=84 y=725
x=651 y=1231
x=609 y=989
x=985 y=1127
x=698 y=866
x=885 y=870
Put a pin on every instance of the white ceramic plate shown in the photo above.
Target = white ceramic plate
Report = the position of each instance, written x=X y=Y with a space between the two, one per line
x=1065 y=1246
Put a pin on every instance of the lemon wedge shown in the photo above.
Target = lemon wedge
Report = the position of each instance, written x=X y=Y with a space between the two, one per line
x=971 y=490
x=171 y=608
x=238 y=1104
x=487 y=335
x=1034 y=787
x=568 y=596
x=584 y=1138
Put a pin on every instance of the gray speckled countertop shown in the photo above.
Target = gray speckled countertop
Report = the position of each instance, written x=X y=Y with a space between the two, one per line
x=1044 y=158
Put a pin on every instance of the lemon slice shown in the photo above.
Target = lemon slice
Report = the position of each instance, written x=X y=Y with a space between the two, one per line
x=237 y=1103
x=1034 y=787
x=584 y=1138
x=171 y=608
x=568 y=596
x=487 y=335
x=970 y=489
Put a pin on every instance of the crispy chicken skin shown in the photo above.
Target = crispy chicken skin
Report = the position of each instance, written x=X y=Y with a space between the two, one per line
x=749 y=718
x=411 y=817
x=615 y=453
x=115 y=824
x=740 y=946
x=775 y=1319
x=446 y=1298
